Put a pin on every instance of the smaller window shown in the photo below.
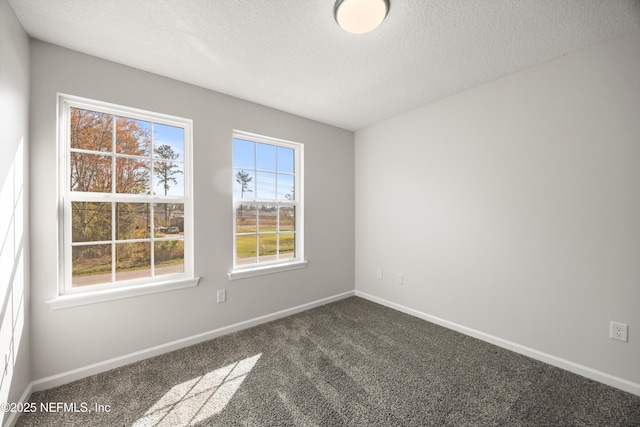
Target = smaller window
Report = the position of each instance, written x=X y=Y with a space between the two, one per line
x=267 y=201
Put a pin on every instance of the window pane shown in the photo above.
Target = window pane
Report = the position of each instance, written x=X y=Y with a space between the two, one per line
x=246 y=249
x=243 y=154
x=267 y=246
x=245 y=218
x=266 y=157
x=91 y=130
x=134 y=220
x=285 y=160
x=90 y=221
x=266 y=185
x=90 y=173
x=168 y=142
x=132 y=176
x=133 y=260
x=286 y=187
x=168 y=219
x=133 y=137
x=287 y=218
x=91 y=264
x=168 y=257
x=243 y=185
x=267 y=218
x=287 y=245
x=168 y=178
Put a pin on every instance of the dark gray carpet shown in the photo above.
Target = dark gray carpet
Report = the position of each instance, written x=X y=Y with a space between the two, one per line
x=353 y=363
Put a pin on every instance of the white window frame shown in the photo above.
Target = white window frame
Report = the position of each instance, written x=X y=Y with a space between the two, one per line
x=68 y=295
x=268 y=267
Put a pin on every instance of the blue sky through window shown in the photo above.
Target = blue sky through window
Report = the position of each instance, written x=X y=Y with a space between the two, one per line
x=169 y=135
x=270 y=170
x=173 y=137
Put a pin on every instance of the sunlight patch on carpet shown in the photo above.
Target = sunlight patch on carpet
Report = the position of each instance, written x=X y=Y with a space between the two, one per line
x=199 y=398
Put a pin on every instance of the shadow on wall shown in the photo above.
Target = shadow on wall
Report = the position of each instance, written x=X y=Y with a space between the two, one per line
x=11 y=270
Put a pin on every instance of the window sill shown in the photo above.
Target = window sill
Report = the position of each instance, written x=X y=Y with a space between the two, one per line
x=73 y=300
x=266 y=269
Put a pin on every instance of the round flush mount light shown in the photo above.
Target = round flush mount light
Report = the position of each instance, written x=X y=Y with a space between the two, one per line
x=360 y=16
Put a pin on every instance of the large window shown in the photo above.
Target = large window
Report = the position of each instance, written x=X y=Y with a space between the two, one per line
x=267 y=195
x=126 y=196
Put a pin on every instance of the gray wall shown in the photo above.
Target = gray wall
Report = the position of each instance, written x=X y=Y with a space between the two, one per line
x=514 y=208
x=76 y=337
x=14 y=236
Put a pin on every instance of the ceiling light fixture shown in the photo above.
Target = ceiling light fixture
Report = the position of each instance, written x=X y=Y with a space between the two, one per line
x=360 y=16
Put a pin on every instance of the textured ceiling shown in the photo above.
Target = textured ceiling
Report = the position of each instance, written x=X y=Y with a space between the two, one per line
x=291 y=55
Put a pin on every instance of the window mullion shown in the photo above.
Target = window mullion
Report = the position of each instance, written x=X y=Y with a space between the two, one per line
x=114 y=251
x=257 y=232
x=277 y=225
x=151 y=158
x=114 y=169
x=152 y=236
x=114 y=212
x=91 y=243
x=80 y=196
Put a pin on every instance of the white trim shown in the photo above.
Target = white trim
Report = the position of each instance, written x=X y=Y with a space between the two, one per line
x=585 y=371
x=96 y=368
x=265 y=269
x=74 y=300
x=118 y=110
x=297 y=203
x=68 y=295
x=12 y=419
x=254 y=137
x=116 y=362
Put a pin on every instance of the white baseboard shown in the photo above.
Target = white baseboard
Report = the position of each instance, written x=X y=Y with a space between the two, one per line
x=96 y=368
x=69 y=376
x=12 y=419
x=567 y=365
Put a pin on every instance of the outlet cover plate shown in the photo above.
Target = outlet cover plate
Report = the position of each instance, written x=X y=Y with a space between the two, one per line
x=222 y=295
x=618 y=331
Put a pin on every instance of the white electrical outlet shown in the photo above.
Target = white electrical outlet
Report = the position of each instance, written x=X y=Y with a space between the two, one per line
x=222 y=295
x=618 y=331
x=379 y=274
